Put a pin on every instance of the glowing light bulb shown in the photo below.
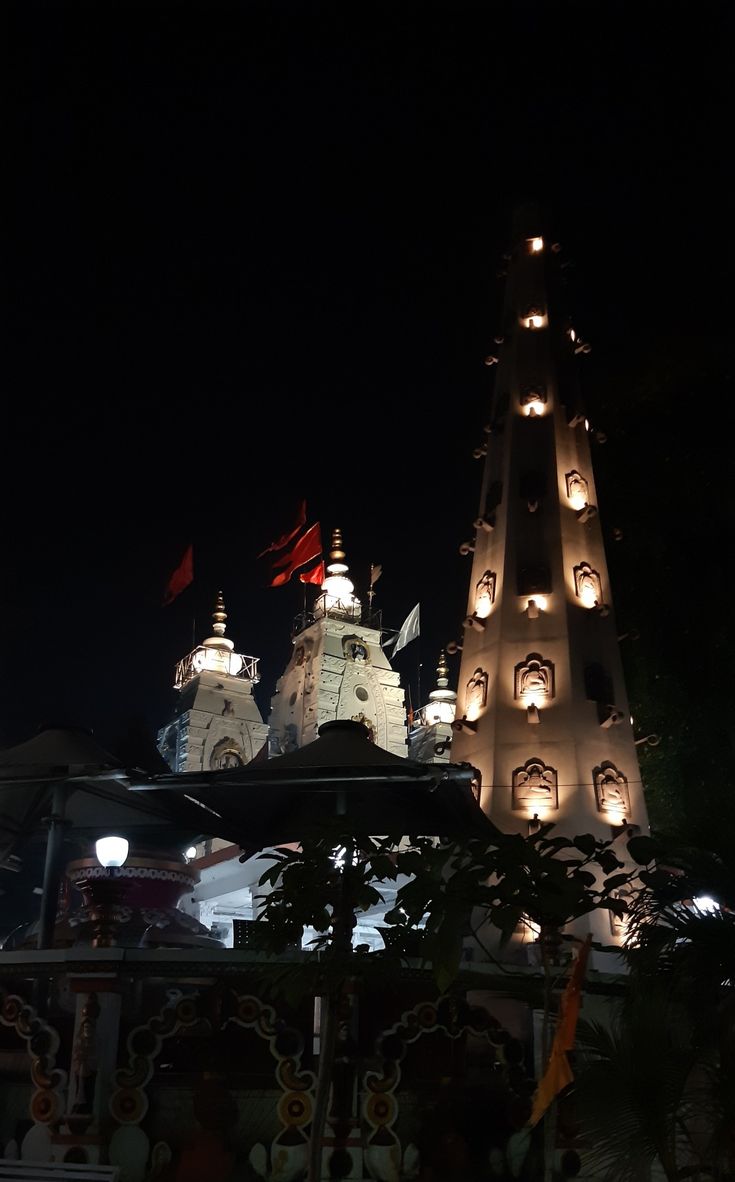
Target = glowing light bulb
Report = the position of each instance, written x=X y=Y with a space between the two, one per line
x=537 y=245
x=111 y=851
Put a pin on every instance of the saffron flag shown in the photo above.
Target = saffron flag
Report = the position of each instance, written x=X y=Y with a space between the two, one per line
x=301 y=551
x=316 y=575
x=408 y=632
x=181 y=577
x=558 y=1073
x=289 y=535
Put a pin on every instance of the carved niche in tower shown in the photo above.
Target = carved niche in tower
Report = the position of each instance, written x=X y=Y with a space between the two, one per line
x=533 y=396
x=476 y=693
x=611 y=790
x=485 y=594
x=535 y=784
x=356 y=649
x=226 y=753
x=587 y=584
x=534 y=677
x=578 y=489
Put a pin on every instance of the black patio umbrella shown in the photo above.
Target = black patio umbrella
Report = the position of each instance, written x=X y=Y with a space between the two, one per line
x=340 y=774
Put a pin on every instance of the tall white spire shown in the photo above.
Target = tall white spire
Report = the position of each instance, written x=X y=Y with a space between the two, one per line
x=542 y=706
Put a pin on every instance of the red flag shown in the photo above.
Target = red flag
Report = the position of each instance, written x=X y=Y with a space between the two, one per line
x=181 y=577
x=315 y=575
x=308 y=546
x=289 y=535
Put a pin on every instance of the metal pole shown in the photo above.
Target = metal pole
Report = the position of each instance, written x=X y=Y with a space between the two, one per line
x=53 y=867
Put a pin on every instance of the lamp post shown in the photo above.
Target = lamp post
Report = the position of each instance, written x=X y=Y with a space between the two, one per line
x=102 y=895
x=52 y=871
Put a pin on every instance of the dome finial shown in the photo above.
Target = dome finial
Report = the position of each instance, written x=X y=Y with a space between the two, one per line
x=336 y=554
x=219 y=615
x=442 y=671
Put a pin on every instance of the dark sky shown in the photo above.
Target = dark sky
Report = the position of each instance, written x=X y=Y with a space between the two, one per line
x=251 y=256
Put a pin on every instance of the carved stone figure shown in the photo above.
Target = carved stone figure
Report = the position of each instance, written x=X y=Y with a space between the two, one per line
x=485 y=594
x=535 y=784
x=587 y=584
x=476 y=693
x=534 y=677
x=611 y=790
x=578 y=489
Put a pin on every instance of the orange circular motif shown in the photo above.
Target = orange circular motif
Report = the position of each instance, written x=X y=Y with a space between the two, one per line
x=381 y=1109
x=45 y=1107
x=294 y=1109
x=128 y=1106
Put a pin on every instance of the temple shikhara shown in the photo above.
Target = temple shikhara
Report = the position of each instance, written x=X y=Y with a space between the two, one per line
x=142 y=1031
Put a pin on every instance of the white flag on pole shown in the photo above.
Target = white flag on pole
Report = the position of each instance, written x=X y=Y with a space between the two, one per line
x=409 y=631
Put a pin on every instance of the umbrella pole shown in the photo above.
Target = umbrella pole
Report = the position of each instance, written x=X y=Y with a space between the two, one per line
x=52 y=871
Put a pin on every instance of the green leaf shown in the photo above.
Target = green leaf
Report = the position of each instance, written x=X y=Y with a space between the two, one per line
x=643 y=849
x=608 y=862
x=586 y=843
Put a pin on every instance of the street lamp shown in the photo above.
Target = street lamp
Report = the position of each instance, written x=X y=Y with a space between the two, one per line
x=103 y=894
x=111 y=851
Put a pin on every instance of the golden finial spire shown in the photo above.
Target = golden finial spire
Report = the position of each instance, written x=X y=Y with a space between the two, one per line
x=442 y=671
x=219 y=615
x=336 y=554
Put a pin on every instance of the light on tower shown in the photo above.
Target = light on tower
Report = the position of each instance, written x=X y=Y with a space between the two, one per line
x=534 y=407
x=588 y=596
x=535 y=245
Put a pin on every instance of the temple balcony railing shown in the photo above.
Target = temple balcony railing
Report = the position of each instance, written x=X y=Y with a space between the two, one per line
x=339 y=611
x=214 y=660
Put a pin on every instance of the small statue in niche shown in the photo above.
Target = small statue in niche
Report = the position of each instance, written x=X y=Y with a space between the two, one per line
x=534 y=677
x=228 y=709
x=299 y=654
x=485 y=595
x=356 y=649
x=587 y=584
x=611 y=790
x=476 y=697
x=577 y=489
x=226 y=753
x=535 y=784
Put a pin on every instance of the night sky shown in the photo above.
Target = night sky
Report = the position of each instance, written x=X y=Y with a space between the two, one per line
x=252 y=257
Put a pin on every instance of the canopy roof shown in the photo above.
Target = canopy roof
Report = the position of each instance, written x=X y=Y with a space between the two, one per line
x=341 y=773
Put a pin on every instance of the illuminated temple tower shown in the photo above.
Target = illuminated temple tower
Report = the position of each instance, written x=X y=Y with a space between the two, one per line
x=337 y=670
x=217 y=722
x=542 y=709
